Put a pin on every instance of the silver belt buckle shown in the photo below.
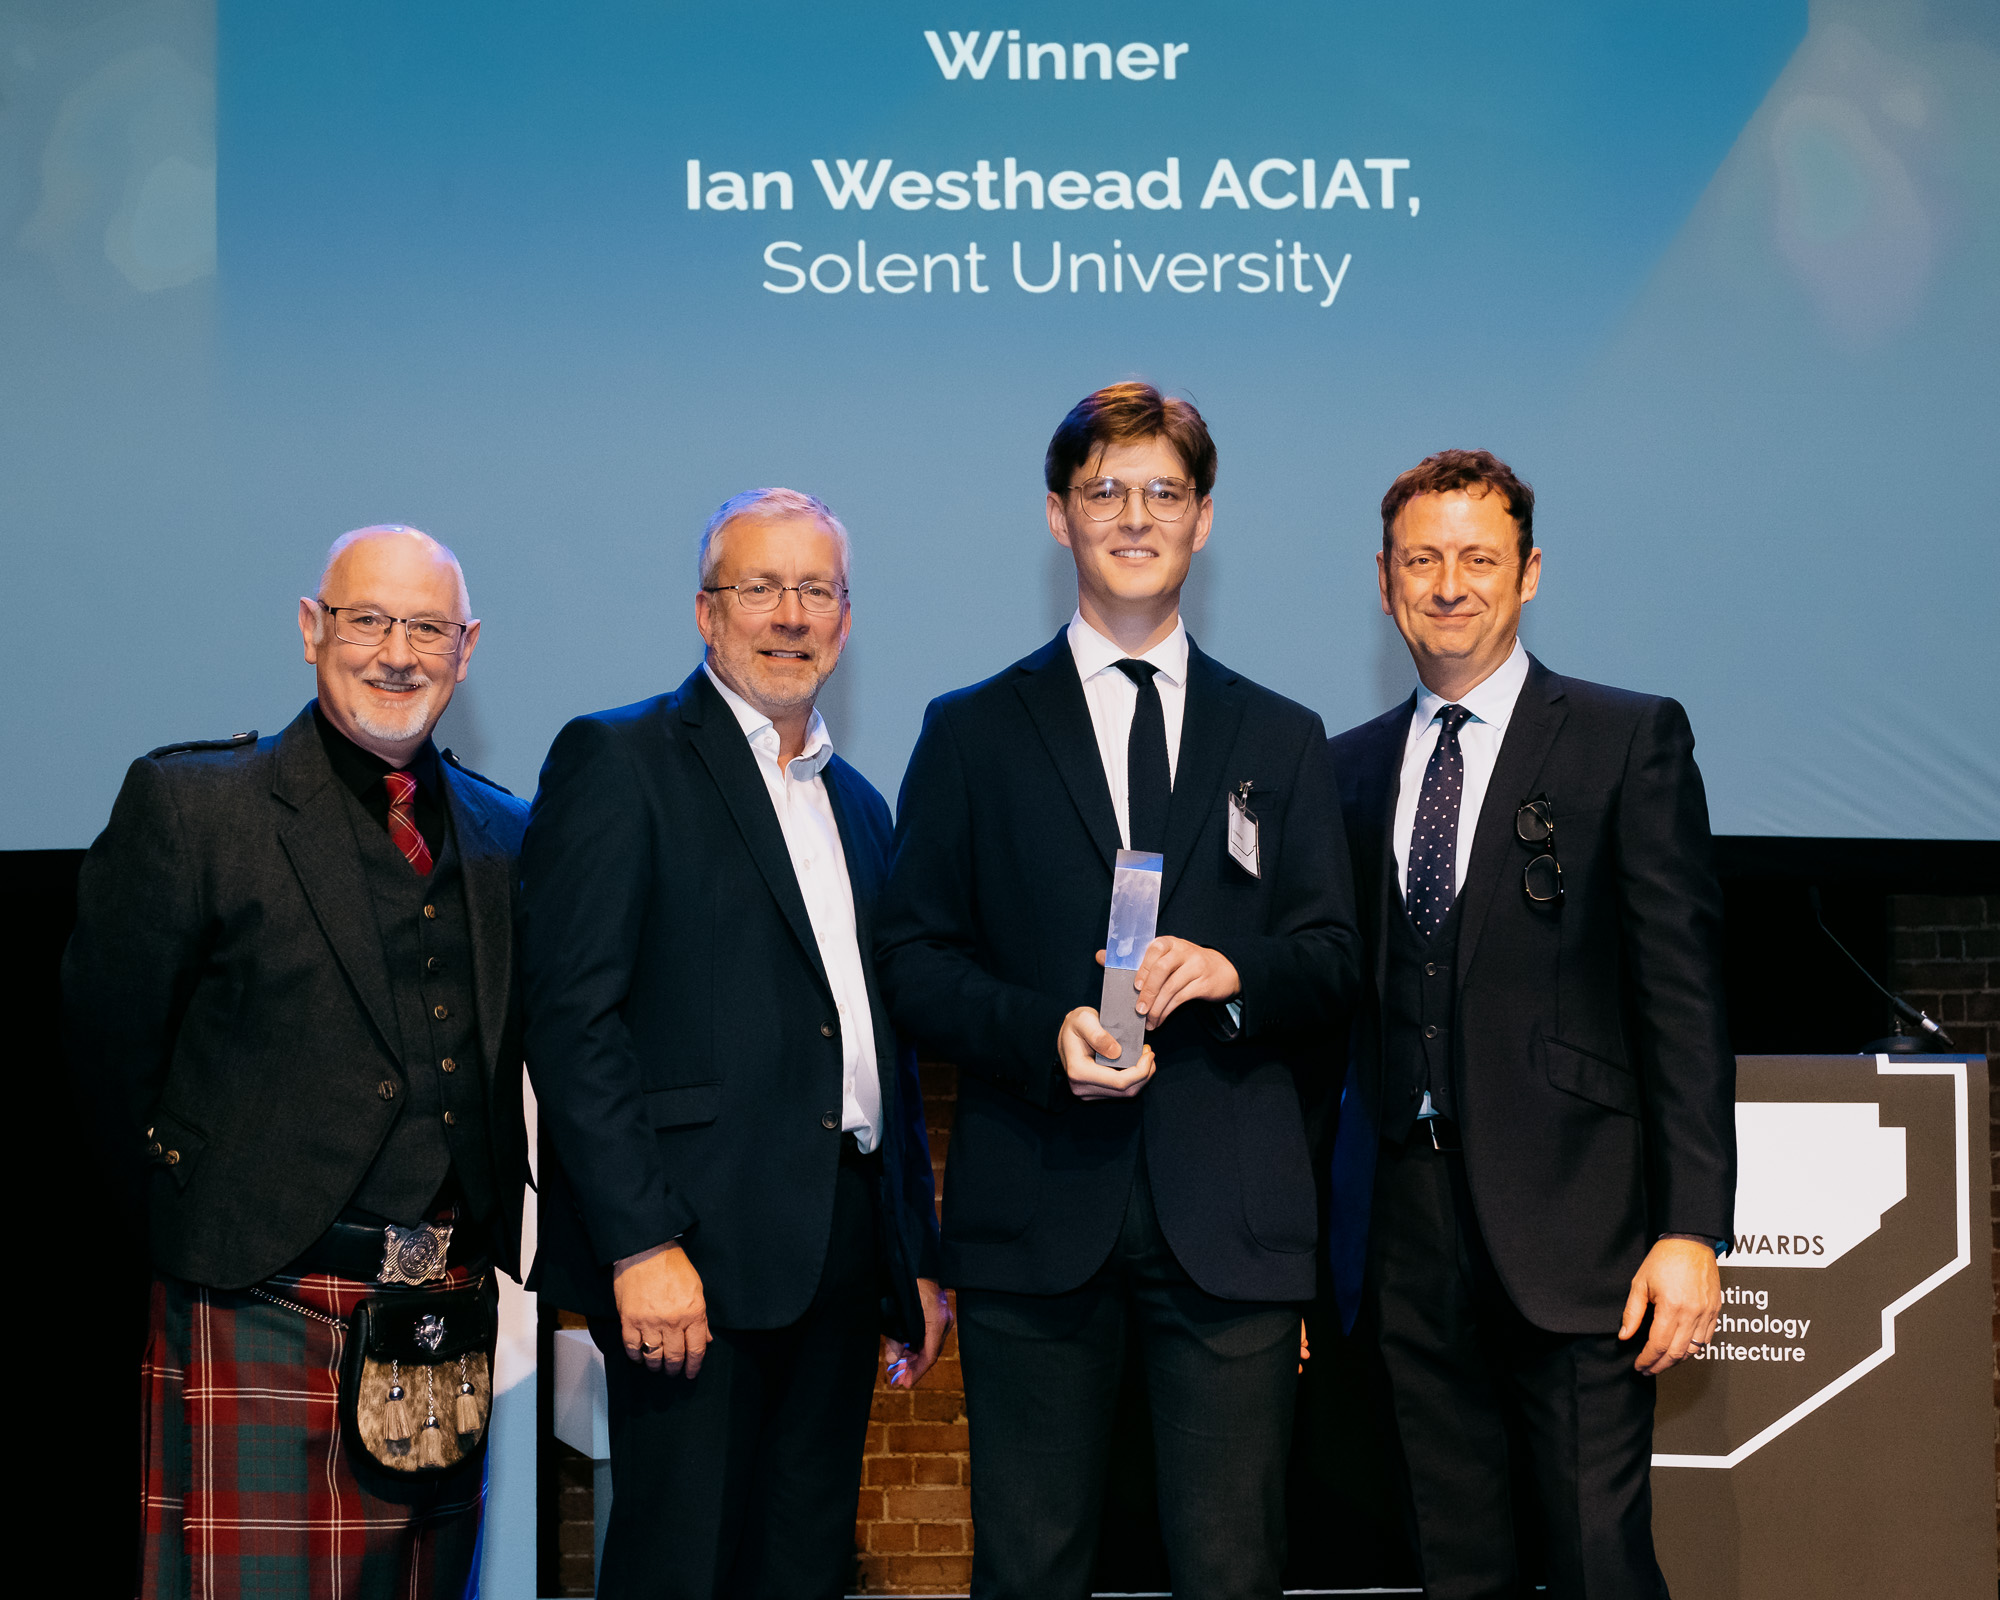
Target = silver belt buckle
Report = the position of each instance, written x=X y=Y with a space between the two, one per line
x=414 y=1255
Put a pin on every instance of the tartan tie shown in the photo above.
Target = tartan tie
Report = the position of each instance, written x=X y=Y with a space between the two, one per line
x=403 y=825
x=1433 y=867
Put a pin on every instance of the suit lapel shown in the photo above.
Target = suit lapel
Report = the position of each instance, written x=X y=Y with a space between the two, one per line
x=318 y=839
x=1531 y=732
x=864 y=869
x=864 y=878
x=489 y=904
x=1053 y=694
x=1379 y=781
x=1209 y=719
x=718 y=740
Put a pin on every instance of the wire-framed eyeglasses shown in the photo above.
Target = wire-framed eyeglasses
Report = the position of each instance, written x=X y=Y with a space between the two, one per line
x=1104 y=498
x=1542 y=877
x=430 y=636
x=765 y=594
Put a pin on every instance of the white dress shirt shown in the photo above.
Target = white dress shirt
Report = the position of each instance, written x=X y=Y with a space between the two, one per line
x=812 y=835
x=1113 y=697
x=1479 y=739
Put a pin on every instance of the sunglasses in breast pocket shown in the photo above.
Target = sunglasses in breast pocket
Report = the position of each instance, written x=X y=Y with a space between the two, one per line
x=1542 y=877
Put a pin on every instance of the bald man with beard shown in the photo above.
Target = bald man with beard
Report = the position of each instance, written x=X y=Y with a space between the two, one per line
x=291 y=994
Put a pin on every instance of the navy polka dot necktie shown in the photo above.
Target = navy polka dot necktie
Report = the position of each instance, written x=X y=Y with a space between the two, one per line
x=1433 y=872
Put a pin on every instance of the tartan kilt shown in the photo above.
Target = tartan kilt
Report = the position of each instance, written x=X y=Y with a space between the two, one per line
x=250 y=1487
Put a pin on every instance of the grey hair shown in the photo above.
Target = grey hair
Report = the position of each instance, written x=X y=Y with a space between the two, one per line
x=768 y=503
x=375 y=530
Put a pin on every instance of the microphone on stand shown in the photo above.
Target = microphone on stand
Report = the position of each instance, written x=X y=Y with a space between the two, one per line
x=1899 y=1042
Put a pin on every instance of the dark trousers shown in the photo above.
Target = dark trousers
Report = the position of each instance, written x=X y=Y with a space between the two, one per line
x=1483 y=1399
x=1041 y=1379
x=742 y=1484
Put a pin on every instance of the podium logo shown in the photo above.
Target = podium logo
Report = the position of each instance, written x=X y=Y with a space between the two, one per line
x=968 y=57
x=1813 y=1179
x=1825 y=1184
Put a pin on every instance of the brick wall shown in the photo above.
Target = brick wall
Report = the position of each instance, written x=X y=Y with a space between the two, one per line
x=914 y=1533
x=1945 y=955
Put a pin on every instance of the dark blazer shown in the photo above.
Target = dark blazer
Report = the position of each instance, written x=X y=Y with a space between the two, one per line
x=1592 y=1067
x=997 y=903
x=226 y=987
x=681 y=1029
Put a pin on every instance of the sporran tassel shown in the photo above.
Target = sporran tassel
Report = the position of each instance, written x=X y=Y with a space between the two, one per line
x=430 y=1438
x=468 y=1410
x=397 y=1422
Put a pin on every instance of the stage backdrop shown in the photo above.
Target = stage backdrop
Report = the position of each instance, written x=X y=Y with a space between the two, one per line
x=552 y=280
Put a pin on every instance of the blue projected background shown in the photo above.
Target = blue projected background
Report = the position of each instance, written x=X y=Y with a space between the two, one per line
x=1720 y=280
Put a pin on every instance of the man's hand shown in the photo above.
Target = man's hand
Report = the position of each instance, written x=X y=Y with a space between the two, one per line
x=1681 y=1282
x=662 y=1310
x=1174 y=970
x=906 y=1370
x=1079 y=1041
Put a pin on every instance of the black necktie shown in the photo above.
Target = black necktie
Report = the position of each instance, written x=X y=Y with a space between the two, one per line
x=1148 y=779
x=1433 y=874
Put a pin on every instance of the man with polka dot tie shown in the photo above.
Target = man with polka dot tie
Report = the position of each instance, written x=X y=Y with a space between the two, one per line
x=1535 y=1164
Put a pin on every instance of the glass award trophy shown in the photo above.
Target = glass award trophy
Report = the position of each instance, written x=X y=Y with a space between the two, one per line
x=1135 y=914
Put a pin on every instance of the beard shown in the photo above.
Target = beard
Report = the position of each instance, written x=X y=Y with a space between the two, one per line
x=400 y=726
x=772 y=691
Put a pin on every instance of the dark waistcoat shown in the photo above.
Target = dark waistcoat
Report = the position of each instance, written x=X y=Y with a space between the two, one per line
x=1418 y=1012
x=427 y=940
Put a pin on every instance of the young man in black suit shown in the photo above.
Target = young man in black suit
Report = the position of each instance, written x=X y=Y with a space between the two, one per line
x=736 y=1186
x=1173 y=1192
x=1536 y=1159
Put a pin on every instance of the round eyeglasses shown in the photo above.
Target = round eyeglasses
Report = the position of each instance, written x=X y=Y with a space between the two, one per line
x=762 y=594
x=430 y=636
x=1103 y=498
x=1542 y=877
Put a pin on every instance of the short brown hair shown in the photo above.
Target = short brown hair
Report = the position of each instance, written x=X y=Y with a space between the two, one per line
x=1122 y=414
x=1449 y=471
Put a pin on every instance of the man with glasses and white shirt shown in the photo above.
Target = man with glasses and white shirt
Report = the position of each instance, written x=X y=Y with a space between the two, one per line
x=1536 y=1160
x=735 y=1183
x=1167 y=1192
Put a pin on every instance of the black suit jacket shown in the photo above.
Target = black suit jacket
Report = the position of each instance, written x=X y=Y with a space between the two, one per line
x=226 y=987
x=1591 y=1067
x=997 y=903
x=681 y=1029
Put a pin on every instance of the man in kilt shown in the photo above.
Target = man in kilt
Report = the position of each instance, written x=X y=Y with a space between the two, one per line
x=291 y=993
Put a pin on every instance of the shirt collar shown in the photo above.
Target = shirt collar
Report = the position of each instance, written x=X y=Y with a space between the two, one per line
x=362 y=770
x=1492 y=701
x=1093 y=652
x=760 y=731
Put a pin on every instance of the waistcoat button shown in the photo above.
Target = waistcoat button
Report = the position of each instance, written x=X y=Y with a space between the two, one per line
x=1430 y=1030
x=447 y=1065
x=431 y=912
x=828 y=1121
x=433 y=965
x=386 y=1089
x=439 y=1012
x=826 y=1030
x=1430 y=969
x=450 y=1121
